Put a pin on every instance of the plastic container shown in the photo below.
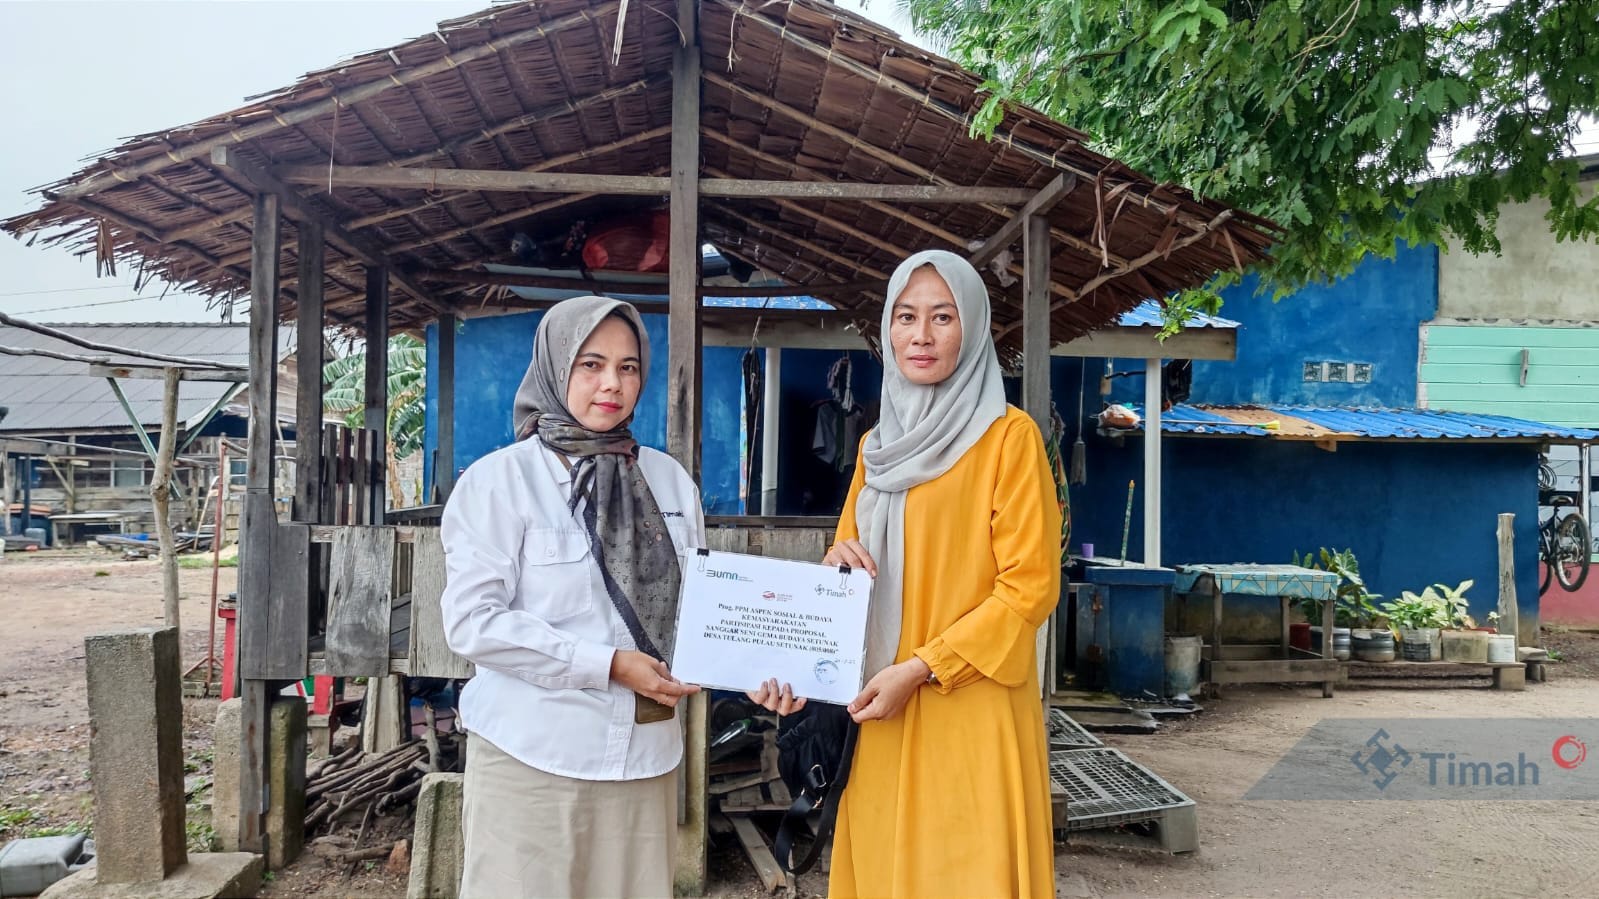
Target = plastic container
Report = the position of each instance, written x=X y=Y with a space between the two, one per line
x=29 y=866
x=1419 y=644
x=1502 y=648
x=1373 y=645
x=1465 y=646
x=1299 y=636
x=1182 y=665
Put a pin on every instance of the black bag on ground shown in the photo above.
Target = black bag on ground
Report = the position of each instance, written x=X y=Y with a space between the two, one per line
x=814 y=751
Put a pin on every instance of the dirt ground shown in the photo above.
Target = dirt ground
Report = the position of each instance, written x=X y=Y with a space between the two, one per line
x=50 y=601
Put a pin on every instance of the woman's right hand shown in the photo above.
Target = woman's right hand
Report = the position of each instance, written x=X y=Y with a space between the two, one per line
x=648 y=676
x=774 y=698
x=851 y=552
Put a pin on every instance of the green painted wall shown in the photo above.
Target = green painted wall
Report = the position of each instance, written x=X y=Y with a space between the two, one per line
x=1477 y=368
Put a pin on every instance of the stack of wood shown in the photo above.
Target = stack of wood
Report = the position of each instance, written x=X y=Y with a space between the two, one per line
x=745 y=786
x=352 y=784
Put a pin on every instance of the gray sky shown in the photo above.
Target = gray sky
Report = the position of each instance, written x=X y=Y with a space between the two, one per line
x=82 y=76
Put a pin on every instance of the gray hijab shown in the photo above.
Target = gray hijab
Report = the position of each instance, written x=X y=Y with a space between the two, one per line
x=923 y=431
x=626 y=531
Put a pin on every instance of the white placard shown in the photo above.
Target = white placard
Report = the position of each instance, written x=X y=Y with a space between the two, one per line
x=743 y=619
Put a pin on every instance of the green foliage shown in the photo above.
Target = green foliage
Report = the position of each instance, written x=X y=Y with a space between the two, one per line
x=201 y=836
x=1413 y=611
x=204 y=561
x=1356 y=125
x=1355 y=606
x=13 y=818
x=1438 y=606
x=344 y=381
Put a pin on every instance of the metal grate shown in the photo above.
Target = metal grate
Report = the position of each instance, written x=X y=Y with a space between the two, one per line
x=1066 y=733
x=1105 y=788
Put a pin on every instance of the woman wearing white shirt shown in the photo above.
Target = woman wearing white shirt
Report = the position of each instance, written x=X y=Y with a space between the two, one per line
x=562 y=553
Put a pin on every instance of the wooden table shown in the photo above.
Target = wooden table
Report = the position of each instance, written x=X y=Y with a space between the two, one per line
x=1257 y=664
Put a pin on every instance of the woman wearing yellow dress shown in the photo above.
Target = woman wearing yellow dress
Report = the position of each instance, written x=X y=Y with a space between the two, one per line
x=953 y=512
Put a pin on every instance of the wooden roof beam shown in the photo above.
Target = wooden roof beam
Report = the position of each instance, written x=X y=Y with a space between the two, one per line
x=553 y=162
x=550 y=282
x=1160 y=251
x=543 y=182
x=332 y=229
x=1040 y=204
x=290 y=117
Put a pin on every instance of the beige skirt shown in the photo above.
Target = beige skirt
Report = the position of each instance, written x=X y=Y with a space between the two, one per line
x=534 y=835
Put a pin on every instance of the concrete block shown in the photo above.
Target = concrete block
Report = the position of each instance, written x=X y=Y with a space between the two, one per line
x=225 y=773
x=438 y=851
x=136 y=753
x=286 y=748
x=206 y=875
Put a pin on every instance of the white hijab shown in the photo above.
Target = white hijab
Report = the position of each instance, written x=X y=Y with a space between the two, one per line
x=924 y=430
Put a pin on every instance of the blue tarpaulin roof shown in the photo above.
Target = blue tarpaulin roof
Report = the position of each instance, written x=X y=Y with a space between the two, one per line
x=1336 y=423
x=1148 y=314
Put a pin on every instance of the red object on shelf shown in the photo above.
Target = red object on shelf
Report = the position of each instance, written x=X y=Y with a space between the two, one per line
x=631 y=243
x=230 y=657
x=1299 y=636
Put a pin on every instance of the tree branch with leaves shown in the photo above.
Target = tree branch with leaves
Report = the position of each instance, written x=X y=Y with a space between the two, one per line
x=1357 y=124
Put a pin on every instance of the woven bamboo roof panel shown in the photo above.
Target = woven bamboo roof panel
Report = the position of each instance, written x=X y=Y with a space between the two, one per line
x=793 y=91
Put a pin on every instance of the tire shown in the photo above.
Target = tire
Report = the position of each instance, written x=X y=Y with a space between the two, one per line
x=1572 y=551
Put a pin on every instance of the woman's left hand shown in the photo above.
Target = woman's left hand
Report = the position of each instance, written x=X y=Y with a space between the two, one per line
x=889 y=690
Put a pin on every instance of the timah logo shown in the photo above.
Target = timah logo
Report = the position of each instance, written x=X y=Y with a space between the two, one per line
x=1379 y=760
x=836 y=594
x=725 y=575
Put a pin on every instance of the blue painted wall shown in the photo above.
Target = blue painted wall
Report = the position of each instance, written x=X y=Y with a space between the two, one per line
x=491 y=355
x=1414 y=513
x=1372 y=316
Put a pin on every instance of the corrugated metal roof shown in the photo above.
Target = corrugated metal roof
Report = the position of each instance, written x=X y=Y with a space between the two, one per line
x=47 y=395
x=1148 y=314
x=1292 y=422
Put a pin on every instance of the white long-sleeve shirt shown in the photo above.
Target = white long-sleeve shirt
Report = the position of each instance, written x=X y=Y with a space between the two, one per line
x=524 y=601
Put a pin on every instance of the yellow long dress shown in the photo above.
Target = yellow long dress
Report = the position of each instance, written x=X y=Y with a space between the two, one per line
x=951 y=798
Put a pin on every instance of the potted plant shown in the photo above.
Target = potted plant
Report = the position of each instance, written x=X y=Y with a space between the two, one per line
x=1416 y=620
x=1460 y=640
x=1354 y=605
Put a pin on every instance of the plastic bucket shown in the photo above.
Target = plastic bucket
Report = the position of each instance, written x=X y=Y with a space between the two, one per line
x=1375 y=645
x=1341 y=644
x=1419 y=644
x=1502 y=648
x=1182 y=665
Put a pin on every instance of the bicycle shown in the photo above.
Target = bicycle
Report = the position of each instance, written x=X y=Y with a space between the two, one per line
x=1565 y=544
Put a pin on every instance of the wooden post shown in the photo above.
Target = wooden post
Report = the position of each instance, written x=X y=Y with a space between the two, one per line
x=1035 y=322
x=377 y=383
x=683 y=402
x=161 y=498
x=771 y=402
x=308 y=367
x=258 y=525
x=1036 y=363
x=8 y=489
x=1152 y=435
x=1509 y=620
x=444 y=476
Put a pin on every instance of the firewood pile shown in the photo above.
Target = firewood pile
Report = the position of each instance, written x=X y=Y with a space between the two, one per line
x=350 y=786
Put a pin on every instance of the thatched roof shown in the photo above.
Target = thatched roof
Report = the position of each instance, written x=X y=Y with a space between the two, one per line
x=798 y=90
